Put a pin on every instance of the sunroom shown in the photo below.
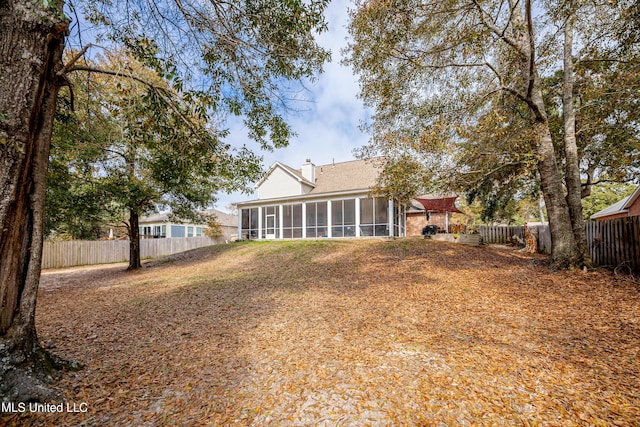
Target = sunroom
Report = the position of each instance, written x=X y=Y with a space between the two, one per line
x=329 y=201
x=340 y=217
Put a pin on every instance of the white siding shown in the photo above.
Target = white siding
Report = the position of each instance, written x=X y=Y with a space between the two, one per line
x=279 y=184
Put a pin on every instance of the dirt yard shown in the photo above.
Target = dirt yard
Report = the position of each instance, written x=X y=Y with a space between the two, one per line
x=343 y=333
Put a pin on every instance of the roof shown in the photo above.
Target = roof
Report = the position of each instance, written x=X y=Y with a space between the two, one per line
x=333 y=178
x=621 y=206
x=223 y=218
x=297 y=174
x=346 y=176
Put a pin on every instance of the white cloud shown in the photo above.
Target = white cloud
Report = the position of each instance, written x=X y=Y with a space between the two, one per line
x=328 y=128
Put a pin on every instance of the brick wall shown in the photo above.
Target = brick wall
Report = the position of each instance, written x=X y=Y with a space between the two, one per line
x=416 y=222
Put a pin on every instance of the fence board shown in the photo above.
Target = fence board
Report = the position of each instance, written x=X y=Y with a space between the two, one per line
x=614 y=242
x=544 y=238
x=84 y=252
x=500 y=234
x=634 y=249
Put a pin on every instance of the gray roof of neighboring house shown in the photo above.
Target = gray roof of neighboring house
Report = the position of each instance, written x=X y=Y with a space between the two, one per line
x=618 y=207
x=223 y=218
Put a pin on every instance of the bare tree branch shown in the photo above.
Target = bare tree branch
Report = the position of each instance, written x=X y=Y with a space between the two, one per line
x=495 y=30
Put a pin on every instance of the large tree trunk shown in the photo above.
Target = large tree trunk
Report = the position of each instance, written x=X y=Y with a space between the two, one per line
x=134 y=241
x=31 y=44
x=572 y=166
x=564 y=251
x=563 y=248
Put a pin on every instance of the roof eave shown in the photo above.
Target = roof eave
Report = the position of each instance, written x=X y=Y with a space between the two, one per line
x=287 y=170
x=632 y=199
x=308 y=196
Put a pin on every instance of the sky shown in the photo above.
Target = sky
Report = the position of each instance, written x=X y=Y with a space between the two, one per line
x=327 y=127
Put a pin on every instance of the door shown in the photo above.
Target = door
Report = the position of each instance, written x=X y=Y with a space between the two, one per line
x=271 y=227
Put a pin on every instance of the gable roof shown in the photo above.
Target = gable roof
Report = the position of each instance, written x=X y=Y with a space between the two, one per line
x=632 y=198
x=296 y=174
x=621 y=206
x=354 y=175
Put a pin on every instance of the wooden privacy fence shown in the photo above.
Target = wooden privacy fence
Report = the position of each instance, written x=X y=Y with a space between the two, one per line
x=500 y=233
x=84 y=252
x=615 y=242
x=611 y=243
x=504 y=233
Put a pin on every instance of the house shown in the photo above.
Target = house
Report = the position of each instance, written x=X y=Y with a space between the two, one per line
x=629 y=206
x=431 y=210
x=333 y=200
x=161 y=226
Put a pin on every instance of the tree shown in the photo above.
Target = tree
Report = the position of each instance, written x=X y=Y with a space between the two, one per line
x=607 y=122
x=238 y=58
x=74 y=206
x=471 y=52
x=150 y=151
x=572 y=179
x=473 y=76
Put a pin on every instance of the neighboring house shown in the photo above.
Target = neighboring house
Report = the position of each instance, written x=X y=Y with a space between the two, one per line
x=629 y=206
x=430 y=210
x=333 y=200
x=160 y=226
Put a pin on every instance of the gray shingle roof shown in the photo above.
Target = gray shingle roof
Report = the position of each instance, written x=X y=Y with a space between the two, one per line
x=618 y=207
x=346 y=176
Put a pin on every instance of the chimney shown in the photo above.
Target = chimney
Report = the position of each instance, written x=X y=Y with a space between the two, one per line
x=309 y=171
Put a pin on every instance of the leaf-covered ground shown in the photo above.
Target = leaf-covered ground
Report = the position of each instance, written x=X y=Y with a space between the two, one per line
x=406 y=332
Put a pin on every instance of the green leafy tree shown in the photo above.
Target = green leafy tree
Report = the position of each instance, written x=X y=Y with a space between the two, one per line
x=445 y=64
x=131 y=148
x=241 y=58
x=459 y=86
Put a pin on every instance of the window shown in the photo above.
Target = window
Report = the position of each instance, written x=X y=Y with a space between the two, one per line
x=374 y=217
x=292 y=221
x=145 y=231
x=177 y=231
x=189 y=231
x=249 y=218
x=163 y=231
x=317 y=219
x=343 y=218
x=199 y=231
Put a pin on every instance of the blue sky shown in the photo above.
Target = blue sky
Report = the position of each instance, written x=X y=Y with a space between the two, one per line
x=327 y=125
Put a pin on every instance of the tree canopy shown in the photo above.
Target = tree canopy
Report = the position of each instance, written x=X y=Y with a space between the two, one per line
x=498 y=98
x=239 y=58
x=128 y=149
x=245 y=58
